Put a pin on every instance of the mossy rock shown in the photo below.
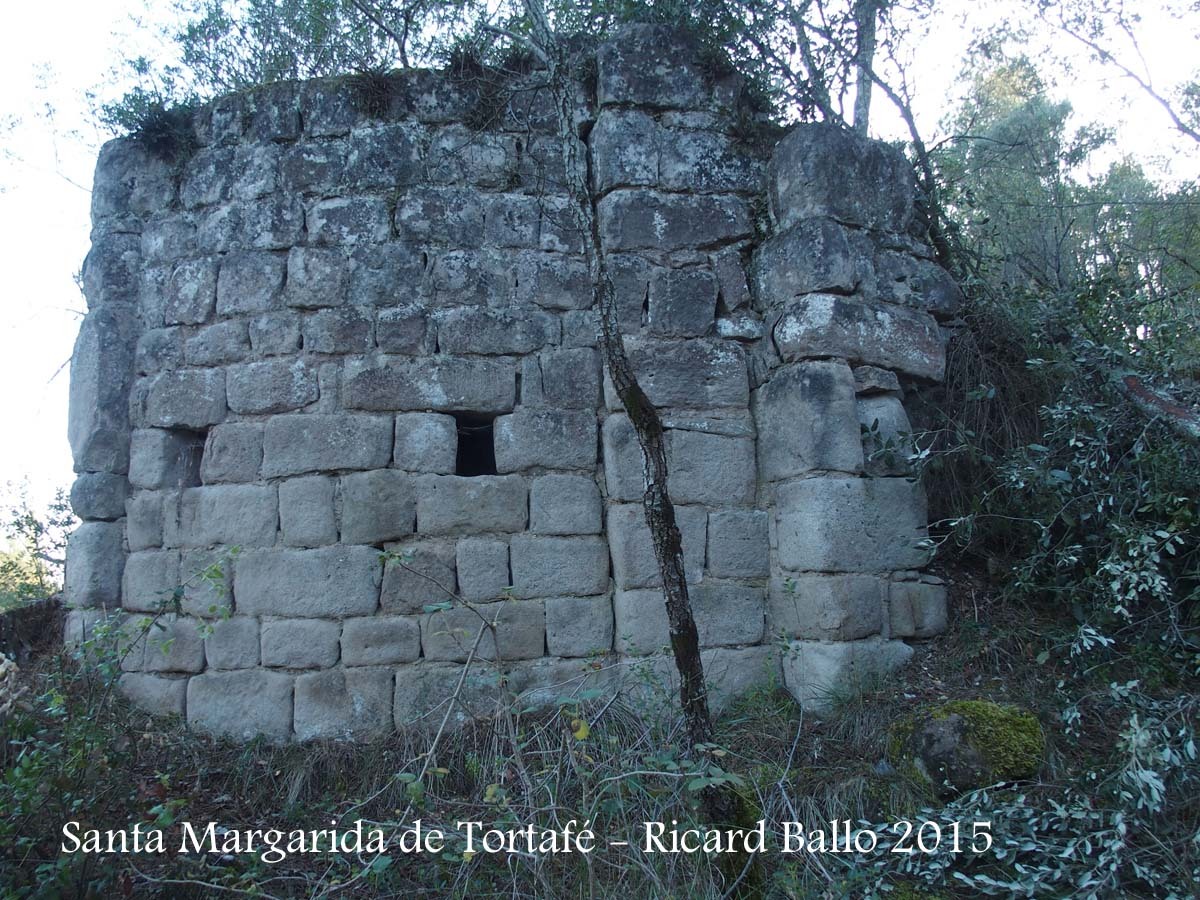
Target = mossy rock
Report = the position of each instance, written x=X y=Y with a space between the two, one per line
x=968 y=744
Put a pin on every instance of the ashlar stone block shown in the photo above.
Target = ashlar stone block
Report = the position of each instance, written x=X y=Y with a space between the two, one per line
x=449 y=504
x=474 y=384
x=241 y=704
x=545 y=566
x=233 y=643
x=99 y=495
x=297 y=444
x=272 y=386
x=426 y=443
x=326 y=582
x=825 y=607
x=377 y=506
x=300 y=643
x=482 y=568
x=306 y=511
x=546 y=439
x=422 y=575
x=380 y=640
x=236 y=514
x=579 y=626
x=737 y=543
x=917 y=608
x=817 y=673
x=95 y=563
x=351 y=703
x=851 y=525
x=515 y=629
x=232 y=453
x=564 y=504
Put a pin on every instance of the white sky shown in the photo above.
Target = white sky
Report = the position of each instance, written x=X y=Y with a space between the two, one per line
x=53 y=51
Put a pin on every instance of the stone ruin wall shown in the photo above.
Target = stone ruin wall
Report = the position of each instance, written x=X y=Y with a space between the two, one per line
x=307 y=339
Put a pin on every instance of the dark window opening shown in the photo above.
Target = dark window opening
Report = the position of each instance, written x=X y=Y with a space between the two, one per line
x=187 y=449
x=476 y=449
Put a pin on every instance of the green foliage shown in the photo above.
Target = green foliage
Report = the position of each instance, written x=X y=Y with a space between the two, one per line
x=32 y=566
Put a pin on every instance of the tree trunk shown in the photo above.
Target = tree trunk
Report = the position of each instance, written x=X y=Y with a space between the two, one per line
x=864 y=16
x=656 y=501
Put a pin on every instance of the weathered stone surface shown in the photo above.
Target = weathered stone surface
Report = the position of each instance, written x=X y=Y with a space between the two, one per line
x=911 y=281
x=99 y=495
x=241 y=704
x=683 y=302
x=737 y=543
x=733 y=291
x=877 y=334
x=349 y=220
x=825 y=607
x=101 y=374
x=442 y=215
x=564 y=379
x=552 y=281
x=512 y=220
x=634 y=563
x=233 y=452
x=250 y=282
x=344 y=329
x=564 y=504
x=459 y=155
x=425 y=695
x=326 y=582
x=726 y=613
x=272 y=386
x=344 y=703
x=233 y=643
x=710 y=468
x=453 y=504
x=917 y=608
x=150 y=580
x=238 y=514
x=851 y=525
x=647 y=220
x=164 y=240
x=377 y=506
x=873 y=380
x=703 y=160
x=404 y=329
x=422 y=575
x=887 y=435
x=185 y=398
x=158 y=349
x=650 y=65
x=316 y=277
x=440 y=383
x=296 y=444
x=275 y=334
x=812 y=255
x=214 y=345
x=300 y=643
x=689 y=374
x=386 y=274
x=495 y=331
x=519 y=631
x=470 y=278
x=482 y=568
x=95 y=562
x=807 y=420
x=206 y=576
x=550 y=682
x=426 y=442
x=824 y=170
x=380 y=640
x=579 y=626
x=553 y=566
x=625 y=150
x=306 y=516
x=130 y=180
x=156 y=694
x=542 y=438
x=173 y=644
x=818 y=672
x=162 y=458
x=110 y=271
x=191 y=294
x=143 y=520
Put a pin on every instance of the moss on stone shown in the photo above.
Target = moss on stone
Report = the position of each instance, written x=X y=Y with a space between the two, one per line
x=1010 y=739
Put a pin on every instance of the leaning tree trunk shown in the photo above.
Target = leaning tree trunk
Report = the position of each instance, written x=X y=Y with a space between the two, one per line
x=864 y=14
x=660 y=514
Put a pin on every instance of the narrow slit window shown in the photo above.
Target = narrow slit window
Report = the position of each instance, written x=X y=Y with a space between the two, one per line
x=476 y=447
